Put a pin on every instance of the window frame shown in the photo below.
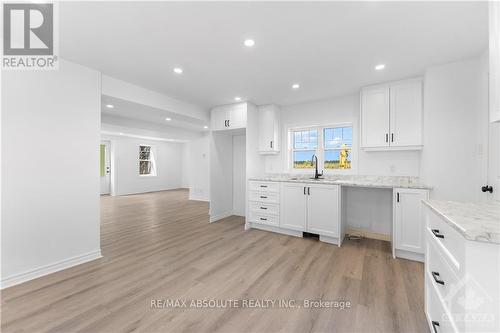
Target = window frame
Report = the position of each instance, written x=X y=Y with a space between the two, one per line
x=152 y=160
x=320 y=150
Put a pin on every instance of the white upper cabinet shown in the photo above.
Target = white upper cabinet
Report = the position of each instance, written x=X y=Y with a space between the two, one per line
x=375 y=116
x=269 y=129
x=226 y=117
x=406 y=113
x=494 y=55
x=391 y=116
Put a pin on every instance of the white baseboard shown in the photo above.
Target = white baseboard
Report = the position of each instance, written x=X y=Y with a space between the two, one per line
x=194 y=198
x=48 y=269
x=214 y=218
x=410 y=255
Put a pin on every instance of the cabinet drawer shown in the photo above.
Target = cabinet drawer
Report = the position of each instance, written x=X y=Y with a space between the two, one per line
x=256 y=217
x=439 y=319
x=264 y=208
x=439 y=273
x=265 y=197
x=264 y=186
x=451 y=243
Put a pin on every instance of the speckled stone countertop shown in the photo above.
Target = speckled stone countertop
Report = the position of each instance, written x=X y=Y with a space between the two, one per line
x=348 y=180
x=475 y=221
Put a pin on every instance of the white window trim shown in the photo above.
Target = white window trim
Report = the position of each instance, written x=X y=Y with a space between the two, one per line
x=152 y=156
x=320 y=150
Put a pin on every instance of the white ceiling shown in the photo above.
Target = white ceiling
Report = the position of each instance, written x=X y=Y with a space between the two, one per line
x=329 y=48
x=127 y=109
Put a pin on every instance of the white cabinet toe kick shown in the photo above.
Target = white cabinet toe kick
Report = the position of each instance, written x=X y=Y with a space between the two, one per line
x=294 y=208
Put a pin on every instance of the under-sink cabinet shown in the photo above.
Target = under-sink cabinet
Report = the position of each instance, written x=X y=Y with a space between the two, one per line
x=294 y=208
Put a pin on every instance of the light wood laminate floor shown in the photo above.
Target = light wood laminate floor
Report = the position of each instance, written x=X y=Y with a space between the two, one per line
x=161 y=246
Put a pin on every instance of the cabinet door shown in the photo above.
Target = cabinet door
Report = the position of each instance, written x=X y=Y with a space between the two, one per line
x=406 y=113
x=375 y=117
x=494 y=55
x=408 y=219
x=218 y=118
x=268 y=129
x=323 y=211
x=293 y=206
x=237 y=116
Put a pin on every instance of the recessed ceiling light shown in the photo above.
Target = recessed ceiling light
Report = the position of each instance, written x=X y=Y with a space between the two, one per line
x=120 y=133
x=168 y=119
x=295 y=86
x=249 y=42
x=205 y=127
x=380 y=67
x=237 y=99
x=178 y=70
x=110 y=106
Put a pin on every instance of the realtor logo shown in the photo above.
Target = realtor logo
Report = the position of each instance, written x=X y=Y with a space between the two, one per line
x=29 y=36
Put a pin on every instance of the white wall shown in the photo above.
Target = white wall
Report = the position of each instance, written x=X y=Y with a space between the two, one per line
x=239 y=176
x=196 y=168
x=125 y=165
x=455 y=109
x=221 y=178
x=50 y=171
x=342 y=110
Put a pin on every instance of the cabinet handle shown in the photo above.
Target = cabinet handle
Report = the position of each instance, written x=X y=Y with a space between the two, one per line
x=271 y=143
x=308 y=191
x=434 y=324
x=263 y=208
x=225 y=123
x=436 y=276
x=263 y=219
x=228 y=123
x=392 y=137
x=263 y=185
x=436 y=233
x=304 y=191
x=397 y=196
x=263 y=197
x=386 y=137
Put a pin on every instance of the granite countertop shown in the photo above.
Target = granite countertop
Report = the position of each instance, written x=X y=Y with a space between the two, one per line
x=348 y=180
x=474 y=221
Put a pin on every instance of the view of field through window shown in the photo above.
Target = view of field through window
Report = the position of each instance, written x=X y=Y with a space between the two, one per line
x=335 y=144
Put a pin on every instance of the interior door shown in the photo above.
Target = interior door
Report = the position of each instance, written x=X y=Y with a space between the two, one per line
x=494 y=160
x=375 y=117
x=323 y=211
x=406 y=113
x=293 y=206
x=105 y=166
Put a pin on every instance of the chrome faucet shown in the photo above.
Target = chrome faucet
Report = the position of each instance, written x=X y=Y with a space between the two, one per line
x=314 y=160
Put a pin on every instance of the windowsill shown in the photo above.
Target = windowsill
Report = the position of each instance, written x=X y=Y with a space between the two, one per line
x=325 y=171
x=147 y=176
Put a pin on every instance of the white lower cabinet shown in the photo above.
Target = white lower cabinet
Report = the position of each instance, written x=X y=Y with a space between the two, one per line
x=313 y=208
x=408 y=226
x=462 y=290
x=323 y=210
x=293 y=206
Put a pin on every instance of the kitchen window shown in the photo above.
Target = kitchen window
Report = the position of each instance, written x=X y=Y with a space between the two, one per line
x=331 y=144
x=147 y=165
